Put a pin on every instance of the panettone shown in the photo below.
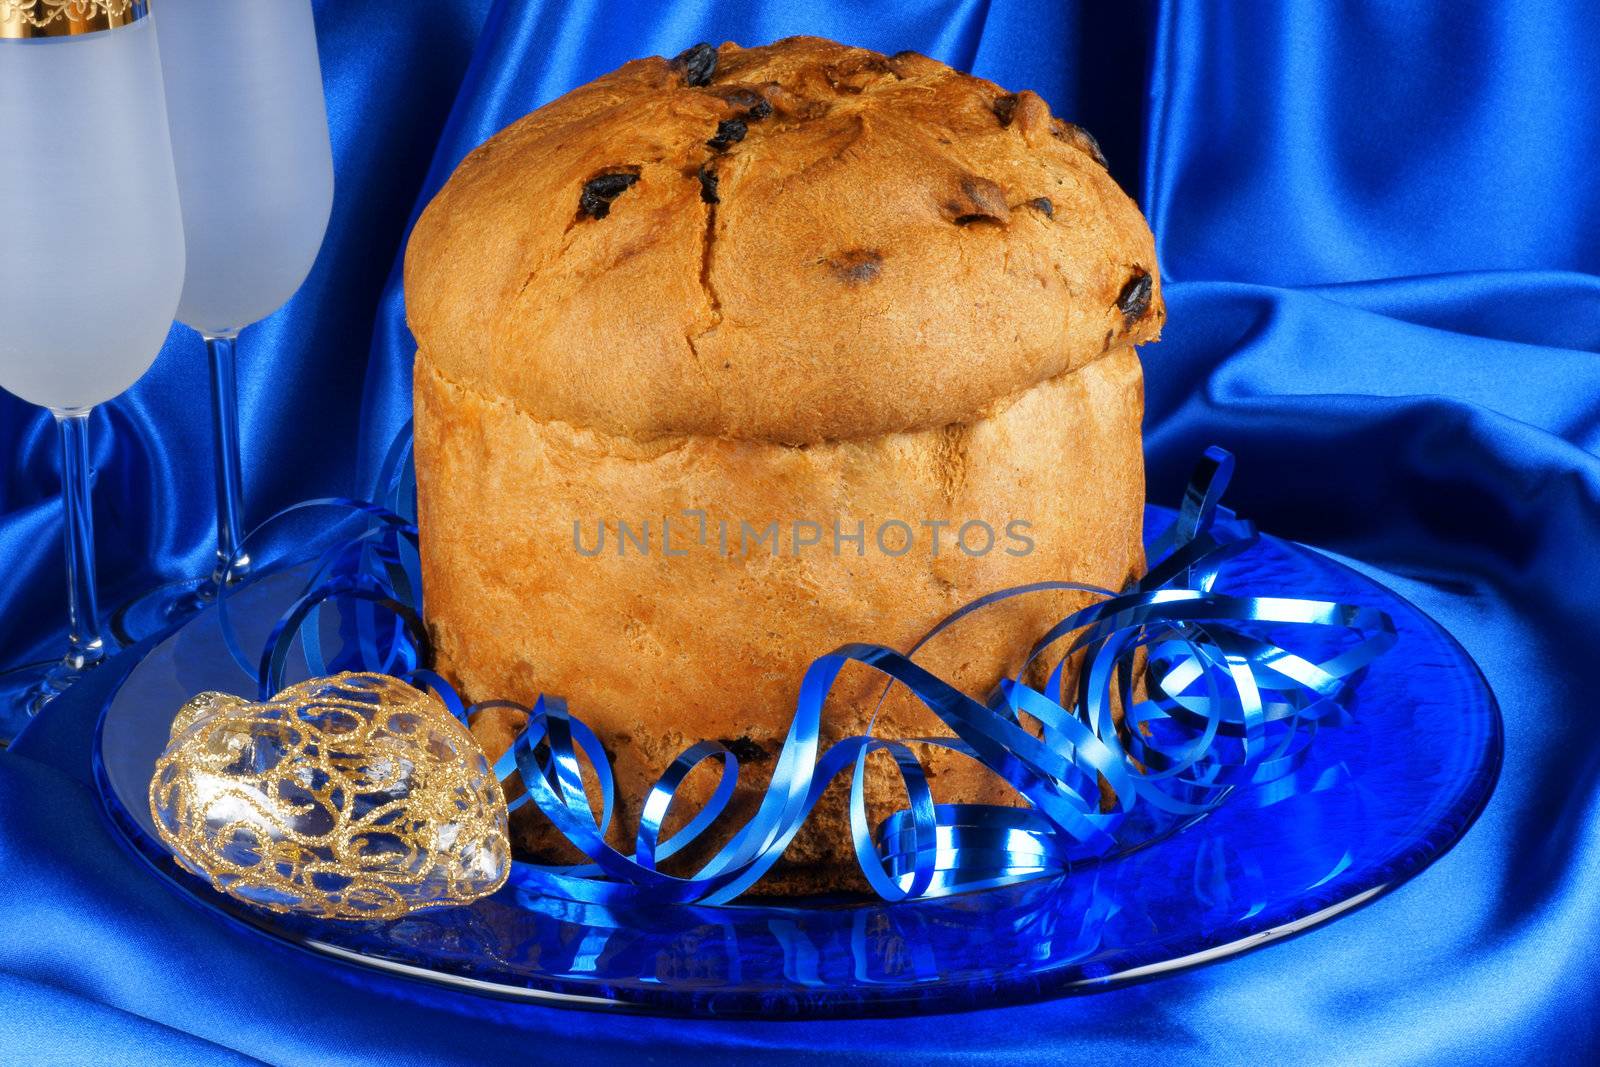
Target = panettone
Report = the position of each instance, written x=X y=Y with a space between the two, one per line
x=729 y=359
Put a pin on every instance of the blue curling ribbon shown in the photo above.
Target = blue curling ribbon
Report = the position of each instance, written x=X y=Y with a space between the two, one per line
x=1098 y=769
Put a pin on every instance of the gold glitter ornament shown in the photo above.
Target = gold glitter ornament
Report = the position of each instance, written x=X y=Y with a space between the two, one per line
x=350 y=797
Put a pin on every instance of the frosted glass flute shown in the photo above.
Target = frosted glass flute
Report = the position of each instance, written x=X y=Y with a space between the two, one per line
x=255 y=178
x=91 y=257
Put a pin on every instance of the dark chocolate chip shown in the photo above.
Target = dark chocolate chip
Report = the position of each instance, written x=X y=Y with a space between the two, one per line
x=1094 y=147
x=1043 y=205
x=1004 y=107
x=699 y=64
x=601 y=190
x=739 y=96
x=905 y=53
x=708 y=185
x=753 y=104
x=986 y=194
x=729 y=132
x=745 y=750
x=857 y=266
x=1082 y=138
x=1134 y=300
x=981 y=200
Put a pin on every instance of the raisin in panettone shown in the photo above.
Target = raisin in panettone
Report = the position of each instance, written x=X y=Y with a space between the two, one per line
x=726 y=360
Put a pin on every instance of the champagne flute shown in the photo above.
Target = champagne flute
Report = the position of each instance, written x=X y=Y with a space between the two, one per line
x=255 y=178
x=91 y=256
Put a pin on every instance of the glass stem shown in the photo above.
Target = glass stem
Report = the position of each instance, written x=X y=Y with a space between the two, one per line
x=85 y=647
x=231 y=564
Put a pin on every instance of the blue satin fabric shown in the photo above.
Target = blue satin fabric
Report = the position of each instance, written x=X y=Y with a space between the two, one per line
x=1382 y=231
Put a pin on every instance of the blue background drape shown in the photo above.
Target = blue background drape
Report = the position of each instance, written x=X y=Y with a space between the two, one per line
x=1381 y=229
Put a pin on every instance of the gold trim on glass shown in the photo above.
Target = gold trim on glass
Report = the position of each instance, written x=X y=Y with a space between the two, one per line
x=64 y=18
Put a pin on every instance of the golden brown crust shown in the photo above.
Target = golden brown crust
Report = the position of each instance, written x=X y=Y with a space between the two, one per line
x=883 y=291
x=658 y=651
x=895 y=247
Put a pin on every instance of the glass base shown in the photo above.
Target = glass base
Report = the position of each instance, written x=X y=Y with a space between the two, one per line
x=168 y=606
x=162 y=608
x=25 y=690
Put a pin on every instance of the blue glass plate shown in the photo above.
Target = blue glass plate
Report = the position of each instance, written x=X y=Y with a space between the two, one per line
x=1422 y=754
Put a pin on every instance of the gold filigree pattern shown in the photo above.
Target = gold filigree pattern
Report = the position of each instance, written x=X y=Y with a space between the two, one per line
x=60 y=18
x=351 y=797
